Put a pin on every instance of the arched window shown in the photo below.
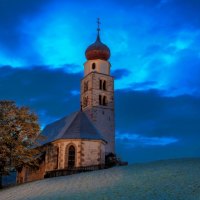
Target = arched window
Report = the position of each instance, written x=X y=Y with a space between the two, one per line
x=71 y=157
x=93 y=66
x=104 y=85
x=104 y=101
x=100 y=84
x=100 y=100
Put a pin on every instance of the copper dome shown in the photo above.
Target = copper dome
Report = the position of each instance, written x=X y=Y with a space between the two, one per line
x=97 y=50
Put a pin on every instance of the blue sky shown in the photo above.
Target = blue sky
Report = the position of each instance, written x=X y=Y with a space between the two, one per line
x=155 y=57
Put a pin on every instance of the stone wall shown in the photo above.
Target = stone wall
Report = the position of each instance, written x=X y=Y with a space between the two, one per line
x=62 y=146
x=101 y=66
x=93 y=153
x=102 y=116
x=28 y=174
x=88 y=152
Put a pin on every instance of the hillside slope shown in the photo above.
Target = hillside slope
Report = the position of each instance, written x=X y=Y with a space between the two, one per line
x=165 y=180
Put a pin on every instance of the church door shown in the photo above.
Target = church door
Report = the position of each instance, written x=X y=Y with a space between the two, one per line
x=71 y=157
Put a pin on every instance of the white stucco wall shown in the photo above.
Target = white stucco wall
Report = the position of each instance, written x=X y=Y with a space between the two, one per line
x=102 y=66
x=88 y=152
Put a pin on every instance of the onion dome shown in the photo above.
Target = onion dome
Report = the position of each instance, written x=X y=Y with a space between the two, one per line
x=97 y=50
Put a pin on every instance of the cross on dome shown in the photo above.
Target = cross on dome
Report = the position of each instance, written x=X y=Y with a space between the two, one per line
x=97 y=50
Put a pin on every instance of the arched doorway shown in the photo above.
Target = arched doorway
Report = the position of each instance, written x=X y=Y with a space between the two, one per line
x=71 y=157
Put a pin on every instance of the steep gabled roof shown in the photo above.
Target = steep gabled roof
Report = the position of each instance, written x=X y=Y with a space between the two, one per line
x=75 y=126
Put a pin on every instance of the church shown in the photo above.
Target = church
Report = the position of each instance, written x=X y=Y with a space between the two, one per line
x=85 y=137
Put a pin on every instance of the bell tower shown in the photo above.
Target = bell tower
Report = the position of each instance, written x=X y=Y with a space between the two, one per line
x=97 y=91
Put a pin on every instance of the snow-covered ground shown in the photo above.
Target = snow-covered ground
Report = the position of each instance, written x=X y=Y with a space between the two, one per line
x=163 y=180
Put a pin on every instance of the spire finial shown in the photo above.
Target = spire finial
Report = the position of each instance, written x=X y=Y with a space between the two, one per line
x=98 y=25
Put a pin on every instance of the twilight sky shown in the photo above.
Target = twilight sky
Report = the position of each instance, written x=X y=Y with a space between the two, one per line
x=155 y=57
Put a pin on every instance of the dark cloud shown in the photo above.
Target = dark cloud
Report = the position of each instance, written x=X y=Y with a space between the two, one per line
x=186 y=11
x=12 y=14
x=160 y=17
x=52 y=94
x=188 y=68
x=47 y=91
x=120 y=73
x=176 y=12
x=150 y=153
x=186 y=73
x=143 y=85
x=151 y=114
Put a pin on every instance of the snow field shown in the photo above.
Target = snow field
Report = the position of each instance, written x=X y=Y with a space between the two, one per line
x=162 y=180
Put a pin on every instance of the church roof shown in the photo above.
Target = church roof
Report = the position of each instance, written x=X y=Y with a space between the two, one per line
x=75 y=126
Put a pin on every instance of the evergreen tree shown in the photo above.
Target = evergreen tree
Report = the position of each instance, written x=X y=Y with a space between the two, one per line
x=19 y=137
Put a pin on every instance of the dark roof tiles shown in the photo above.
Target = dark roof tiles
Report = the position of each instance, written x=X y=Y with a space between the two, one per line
x=75 y=126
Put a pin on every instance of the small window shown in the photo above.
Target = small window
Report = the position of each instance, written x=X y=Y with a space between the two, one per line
x=100 y=84
x=93 y=66
x=100 y=100
x=104 y=85
x=71 y=157
x=104 y=101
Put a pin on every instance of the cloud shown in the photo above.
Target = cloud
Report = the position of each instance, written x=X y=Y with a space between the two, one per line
x=134 y=140
x=150 y=114
x=176 y=12
x=155 y=58
x=147 y=122
x=151 y=153
x=148 y=48
x=49 y=92
x=14 y=41
x=120 y=73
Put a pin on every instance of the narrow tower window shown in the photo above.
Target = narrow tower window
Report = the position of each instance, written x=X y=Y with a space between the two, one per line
x=100 y=84
x=100 y=100
x=93 y=66
x=104 y=101
x=104 y=85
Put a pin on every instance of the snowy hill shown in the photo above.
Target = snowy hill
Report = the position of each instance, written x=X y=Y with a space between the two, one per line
x=165 y=180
